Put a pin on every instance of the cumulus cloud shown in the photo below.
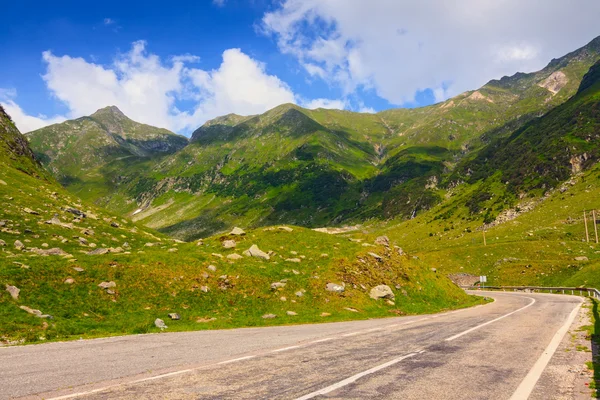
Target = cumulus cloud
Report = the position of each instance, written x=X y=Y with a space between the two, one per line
x=148 y=89
x=325 y=103
x=401 y=47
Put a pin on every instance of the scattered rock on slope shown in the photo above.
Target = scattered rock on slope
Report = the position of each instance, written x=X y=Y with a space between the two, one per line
x=383 y=241
x=13 y=290
x=237 y=231
x=334 y=287
x=254 y=251
x=382 y=292
x=159 y=323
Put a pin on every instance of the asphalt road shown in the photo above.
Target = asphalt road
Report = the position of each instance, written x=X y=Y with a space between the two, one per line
x=496 y=351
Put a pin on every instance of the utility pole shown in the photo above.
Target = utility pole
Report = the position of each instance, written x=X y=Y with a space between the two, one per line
x=595 y=226
x=587 y=235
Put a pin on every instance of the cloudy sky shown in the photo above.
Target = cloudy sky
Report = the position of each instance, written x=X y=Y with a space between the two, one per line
x=176 y=65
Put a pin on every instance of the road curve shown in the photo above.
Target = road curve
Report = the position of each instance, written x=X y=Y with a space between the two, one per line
x=495 y=351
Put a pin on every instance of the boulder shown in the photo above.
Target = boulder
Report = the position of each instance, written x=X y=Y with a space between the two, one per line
x=69 y=281
x=55 y=251
x=376 y=256
x=325 y=314
x=98 y=252
x=2 y=243
x=19 y=245
x=269 y=316
x=13 y=290
x=159 y=323
x=383 y=241
x=381 y=292
x=277 y=285
x=294 y=260
x=299 y=293
x=254 y=251
x=291 y=313
x=205 y=289
x=30 y=211
x=334 y=287
x=174 y=316
x=212 y=268
x=35 y=312
x=229 y=244
x=237 y=231
x=107 y=285
x=285 y=228
x=234 y=256
x=581 y=258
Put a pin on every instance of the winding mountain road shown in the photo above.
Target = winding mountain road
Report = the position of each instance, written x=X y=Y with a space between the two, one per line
x=495 y=351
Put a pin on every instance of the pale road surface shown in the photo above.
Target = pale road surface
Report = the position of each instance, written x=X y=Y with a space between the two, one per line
x=486 y=352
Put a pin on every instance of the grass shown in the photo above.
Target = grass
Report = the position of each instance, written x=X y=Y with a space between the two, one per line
x=593 y=332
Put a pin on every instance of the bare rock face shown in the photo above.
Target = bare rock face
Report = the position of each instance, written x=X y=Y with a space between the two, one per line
x=555 y=82
x=254 y=251
x=382 y=292
x=13 y=290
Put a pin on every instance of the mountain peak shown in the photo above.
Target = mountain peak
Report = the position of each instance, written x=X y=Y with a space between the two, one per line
x=110 y=110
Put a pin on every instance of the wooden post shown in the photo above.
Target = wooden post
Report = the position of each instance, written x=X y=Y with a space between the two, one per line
x=595 y=226
x=587 y=235
x=484 y=241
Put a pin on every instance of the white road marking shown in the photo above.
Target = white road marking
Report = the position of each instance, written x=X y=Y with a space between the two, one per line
x=235 y=360
x=285 y=349
x=491 y=322
x=322 y=340
x=351 y=334
x=183 y=371
x=356 y=377
x=530 y=380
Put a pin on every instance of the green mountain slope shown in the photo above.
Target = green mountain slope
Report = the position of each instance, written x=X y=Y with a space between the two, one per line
x=318 y=167
x=69 y=269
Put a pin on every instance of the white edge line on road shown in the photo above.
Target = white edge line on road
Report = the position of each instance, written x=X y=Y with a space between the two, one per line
x=285 y=349
x=356 y=377
x=490 y=322
x=526 y=386
x=234 y=360
x=183 y=371
x=322 y=340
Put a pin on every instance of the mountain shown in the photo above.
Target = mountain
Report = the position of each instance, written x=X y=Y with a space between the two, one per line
x=318 y=167
x=71 y=270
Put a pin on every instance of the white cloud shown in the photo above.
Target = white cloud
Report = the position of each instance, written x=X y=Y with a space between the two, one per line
x=326 y=103
x=219 y=3
x=27 y=123
x=109 y=21
x=148 y=89
x=399 y=47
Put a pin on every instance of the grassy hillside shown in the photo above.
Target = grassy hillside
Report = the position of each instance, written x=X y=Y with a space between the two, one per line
x=56 y=251
x=315 y=167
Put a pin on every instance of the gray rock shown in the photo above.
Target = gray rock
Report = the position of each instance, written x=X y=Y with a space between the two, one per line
x=291 y=313
x=581 y=258
x=174 y=316
x=400 y=251
x=229 y=244
x=237 y=231
x=234 y=256
x=212 y=268
x=269 y=316
x=334 y=287
x=383 y=241
x=55 y=251
x=35 y=312
x=107 y=285
x=19 y=245
x=381 y=292
x=110 y=291
x=294 y=260
x=376 y=256
x=30 y=211
x=83 y=241
x=78 y=269
x=69 y=281
x=98 y=252
x=299 y=293
x=2 y=243
x=13 y=290
x=433 y=269
x=351 y=309
x=254 y=251
x=277 y=285
x=285 y=228
x=159 y=323
x=205 y=289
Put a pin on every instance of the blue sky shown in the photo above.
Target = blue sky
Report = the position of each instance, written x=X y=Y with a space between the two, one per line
x=64 y=60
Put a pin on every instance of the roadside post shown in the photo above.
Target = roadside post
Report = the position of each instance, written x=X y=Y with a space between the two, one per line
x=482 y=280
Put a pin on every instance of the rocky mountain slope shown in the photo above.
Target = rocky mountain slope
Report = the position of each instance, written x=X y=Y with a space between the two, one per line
x=69 y=269
x=320 y=167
